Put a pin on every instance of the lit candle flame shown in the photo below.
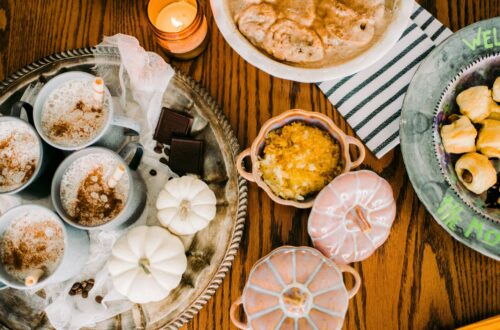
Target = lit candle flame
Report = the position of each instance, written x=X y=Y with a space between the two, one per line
x=176 y=16
x=177 y=23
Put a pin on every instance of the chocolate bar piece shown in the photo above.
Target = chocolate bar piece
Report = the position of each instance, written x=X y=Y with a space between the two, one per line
x=172 y=123
x=186 y=156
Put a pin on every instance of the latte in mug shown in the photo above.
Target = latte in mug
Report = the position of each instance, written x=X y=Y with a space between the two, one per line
x=71 y=117
x=94 y=189
x=32 y=246
x=19 y=154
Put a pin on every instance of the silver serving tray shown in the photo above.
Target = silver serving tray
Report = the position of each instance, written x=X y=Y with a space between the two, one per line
x=211 y=251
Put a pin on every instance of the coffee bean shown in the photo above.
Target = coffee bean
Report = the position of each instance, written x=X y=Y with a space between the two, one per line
x=158 y=148
x=98 y=299
x=91 y=281
x=85 y=294
x=84 y=285
x=89 y=287
x=78 y=291
x=152 y=172
x=164 y=160
x=71 y=293
x=75 y=286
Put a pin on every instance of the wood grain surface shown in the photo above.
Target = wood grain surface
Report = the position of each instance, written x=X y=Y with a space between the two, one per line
x=420 y=279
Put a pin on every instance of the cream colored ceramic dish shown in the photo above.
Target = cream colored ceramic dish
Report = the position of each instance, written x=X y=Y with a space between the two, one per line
x=223 y=17
x=309 y=118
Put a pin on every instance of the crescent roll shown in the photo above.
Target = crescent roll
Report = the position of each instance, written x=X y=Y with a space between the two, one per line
x=475 y=103
x=495 y=111
x=476 y=172
x=459 y=136
x=496 y=90
x=488 y=142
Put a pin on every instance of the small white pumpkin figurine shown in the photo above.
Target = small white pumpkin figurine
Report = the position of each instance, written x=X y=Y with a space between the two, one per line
x=186 y=205
x=147 y=263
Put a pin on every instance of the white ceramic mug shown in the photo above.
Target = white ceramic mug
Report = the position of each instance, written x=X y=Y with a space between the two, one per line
x=130 y=157
x=74 y=257
x=107 y=136
x=15 y=116
x=38 y=185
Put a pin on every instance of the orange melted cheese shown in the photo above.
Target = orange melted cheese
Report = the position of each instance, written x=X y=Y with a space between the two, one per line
x=299 y=160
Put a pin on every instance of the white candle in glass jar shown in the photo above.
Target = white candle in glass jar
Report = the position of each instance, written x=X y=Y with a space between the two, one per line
x=176 y=16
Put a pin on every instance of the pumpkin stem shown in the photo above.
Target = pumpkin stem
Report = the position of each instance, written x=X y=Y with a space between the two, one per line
x=144 y=263
x=362 y=222
x=184 y=208
x=294 y=297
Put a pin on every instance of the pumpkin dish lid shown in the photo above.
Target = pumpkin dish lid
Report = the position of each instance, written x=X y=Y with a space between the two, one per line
x=296 y=287
x=352 y=216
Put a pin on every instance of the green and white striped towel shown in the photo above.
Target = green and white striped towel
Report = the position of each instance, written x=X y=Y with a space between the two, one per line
x=371 y=100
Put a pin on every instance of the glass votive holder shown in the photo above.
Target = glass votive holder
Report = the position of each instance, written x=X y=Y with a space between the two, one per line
x=179 y=26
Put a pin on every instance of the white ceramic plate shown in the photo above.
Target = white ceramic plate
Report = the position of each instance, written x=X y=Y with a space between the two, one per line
x=227 y=26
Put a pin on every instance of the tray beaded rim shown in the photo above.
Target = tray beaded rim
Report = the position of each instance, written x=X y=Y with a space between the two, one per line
x=229 y=134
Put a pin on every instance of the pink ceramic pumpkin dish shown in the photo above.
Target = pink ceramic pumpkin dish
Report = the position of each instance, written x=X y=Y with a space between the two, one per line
x=352 y=216
x=295 y=288
x=296 y=154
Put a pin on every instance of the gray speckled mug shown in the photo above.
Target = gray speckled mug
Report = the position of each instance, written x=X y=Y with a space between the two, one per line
x=112 y=133
x=136 y=196
x=15 y=118
x=73 y=258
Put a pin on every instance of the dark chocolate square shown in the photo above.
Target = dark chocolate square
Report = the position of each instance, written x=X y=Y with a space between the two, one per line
x=186 y=156
x=172 y=123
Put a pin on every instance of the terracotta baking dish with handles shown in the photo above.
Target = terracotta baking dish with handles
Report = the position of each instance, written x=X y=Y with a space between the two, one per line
x=310 y=118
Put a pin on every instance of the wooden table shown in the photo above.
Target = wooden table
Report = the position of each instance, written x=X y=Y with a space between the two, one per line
x=420 y=278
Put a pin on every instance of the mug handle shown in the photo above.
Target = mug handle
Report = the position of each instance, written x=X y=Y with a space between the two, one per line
x=132 y=148
x=239 y=165
x=16 y=109
x=362 y=153
x=131 y=125
x=357 y=279
x=232 y=314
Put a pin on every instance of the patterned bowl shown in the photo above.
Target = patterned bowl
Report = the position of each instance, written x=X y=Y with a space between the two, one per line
x=295 y=288
x=307 y=117
x=483 y=71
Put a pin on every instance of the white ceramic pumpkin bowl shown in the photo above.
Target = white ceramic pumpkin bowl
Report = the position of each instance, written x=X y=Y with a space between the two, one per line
x=402 y=10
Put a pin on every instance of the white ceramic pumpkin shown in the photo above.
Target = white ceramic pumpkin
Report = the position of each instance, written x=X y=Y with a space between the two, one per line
x=186 y=205
x=147 y=263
